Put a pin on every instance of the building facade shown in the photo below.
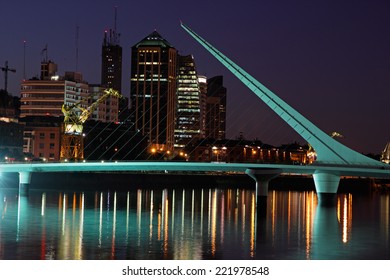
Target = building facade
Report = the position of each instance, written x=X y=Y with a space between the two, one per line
x=202 y=81
x=42 y=97
x=153 y=91
x=111 y=71
x=215 y=126
x=41 y=137
x=106 y=111
x=188 y=108
x=46 y=96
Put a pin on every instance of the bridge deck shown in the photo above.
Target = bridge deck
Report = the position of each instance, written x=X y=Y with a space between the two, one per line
x=341 y=170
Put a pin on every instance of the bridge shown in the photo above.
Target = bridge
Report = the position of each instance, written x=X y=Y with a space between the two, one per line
x=334 y=159
x=262 y=173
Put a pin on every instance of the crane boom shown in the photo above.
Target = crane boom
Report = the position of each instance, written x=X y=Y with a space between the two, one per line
x=72 y=145
x=87 y=112
x=74 y=120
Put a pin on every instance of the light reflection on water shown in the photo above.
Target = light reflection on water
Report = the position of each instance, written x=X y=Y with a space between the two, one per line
x=204 y=223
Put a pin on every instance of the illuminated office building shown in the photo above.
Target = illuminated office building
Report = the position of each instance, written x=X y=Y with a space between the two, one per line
x=153 y=91
x=202 y=81
x=188 y=114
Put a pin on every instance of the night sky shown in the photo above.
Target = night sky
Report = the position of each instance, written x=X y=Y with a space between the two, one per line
x=329 y=59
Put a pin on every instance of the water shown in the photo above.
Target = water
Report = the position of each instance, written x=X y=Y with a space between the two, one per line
x=191 y=223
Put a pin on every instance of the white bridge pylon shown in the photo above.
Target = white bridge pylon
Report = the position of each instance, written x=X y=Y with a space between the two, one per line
x=329 y=151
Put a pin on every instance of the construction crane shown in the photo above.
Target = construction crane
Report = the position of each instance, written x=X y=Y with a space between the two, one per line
x=6 y=69
x=72 y=144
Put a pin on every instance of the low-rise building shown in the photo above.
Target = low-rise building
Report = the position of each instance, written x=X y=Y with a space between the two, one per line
x=246 y=151
x=42 y=137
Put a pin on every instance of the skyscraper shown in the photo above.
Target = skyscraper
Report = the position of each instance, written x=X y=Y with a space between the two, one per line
x=188 y=115
x=111 y=61
x=111 y=71
x=216 y=108
x=153 y=91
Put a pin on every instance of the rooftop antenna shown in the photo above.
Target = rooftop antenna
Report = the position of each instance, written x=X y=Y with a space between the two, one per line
x=77 y=47
x=24 y=60
x=116 y=7
x=44 y=51
x=116 y=35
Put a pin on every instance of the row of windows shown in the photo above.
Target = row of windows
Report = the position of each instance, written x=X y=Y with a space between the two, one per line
x=149 y=63
x=147 y=51
x=186 y=102
x=77 y=89
x=184 y=125
x=194 y=110
x=188 y=97
x=187 y=131
x=188 y=81
x=74 y=97
x=184 y=69
x=148 y=80
x=43 y=87
x=44 y=112
x=43 y=95
x=42 y=146
x=183 y=118
x=191 y=91
x=42 y=135
x=42 y=103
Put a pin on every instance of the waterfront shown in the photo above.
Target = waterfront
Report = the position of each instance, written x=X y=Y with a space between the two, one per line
x=191 y=223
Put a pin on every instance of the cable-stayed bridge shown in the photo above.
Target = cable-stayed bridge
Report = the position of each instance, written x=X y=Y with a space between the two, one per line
x=334 y=160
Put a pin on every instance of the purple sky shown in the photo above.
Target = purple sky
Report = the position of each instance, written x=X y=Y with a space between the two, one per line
x=329 y=59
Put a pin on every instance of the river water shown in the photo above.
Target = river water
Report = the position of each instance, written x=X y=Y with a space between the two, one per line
x=191 y=223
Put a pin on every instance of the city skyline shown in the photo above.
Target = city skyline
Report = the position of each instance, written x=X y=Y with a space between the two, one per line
x=332 y=52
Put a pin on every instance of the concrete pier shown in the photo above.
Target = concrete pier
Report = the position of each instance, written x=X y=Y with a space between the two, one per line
x=326 y=185
x=24 y=183
x=262 y=178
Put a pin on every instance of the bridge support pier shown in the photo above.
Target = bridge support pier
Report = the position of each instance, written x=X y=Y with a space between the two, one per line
x=24 y=183
x=326 y=185
x=262 y=178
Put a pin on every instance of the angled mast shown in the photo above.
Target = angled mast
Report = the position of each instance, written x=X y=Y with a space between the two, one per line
x=329 y=151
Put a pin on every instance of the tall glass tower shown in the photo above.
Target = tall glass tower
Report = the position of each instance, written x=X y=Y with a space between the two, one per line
x=153 y=91
x=188 y=115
